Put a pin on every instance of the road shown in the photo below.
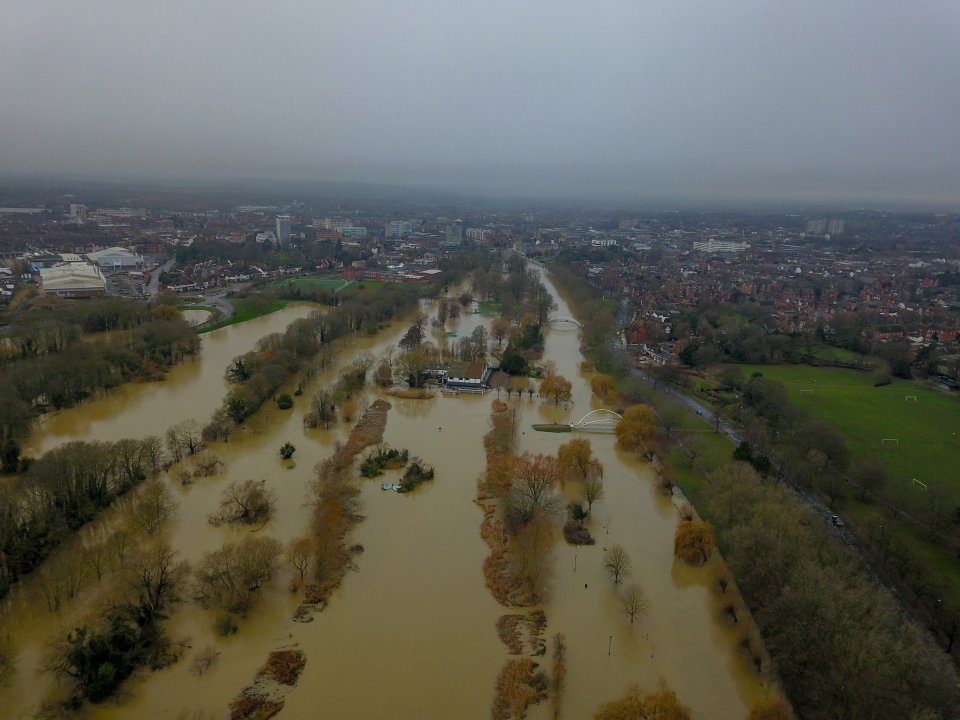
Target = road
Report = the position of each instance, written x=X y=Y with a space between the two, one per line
x=153 y=287
x=703 y=411
x=220 y=302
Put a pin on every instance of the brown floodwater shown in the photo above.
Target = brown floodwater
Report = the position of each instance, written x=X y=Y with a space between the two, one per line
x=195 y=316
x=411 y=633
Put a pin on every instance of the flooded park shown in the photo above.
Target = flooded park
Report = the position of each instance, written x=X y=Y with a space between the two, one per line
x=411 y=630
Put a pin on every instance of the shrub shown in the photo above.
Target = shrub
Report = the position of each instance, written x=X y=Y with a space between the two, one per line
x=417 y=473
x=226 y=624
x=381 y=457
x=285 y=402
x=575 y=534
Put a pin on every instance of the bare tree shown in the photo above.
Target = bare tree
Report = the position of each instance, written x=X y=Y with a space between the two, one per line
x=633 y=601
x=592 y=490
x=499 y=380
x=228 y=577
x=152 y=507
x=299 y=554
x=156 y=575
x=531 y=492
x=616 y=562
x=247 y=501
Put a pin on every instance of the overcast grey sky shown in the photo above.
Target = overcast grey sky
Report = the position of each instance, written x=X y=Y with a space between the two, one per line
x=765 y=99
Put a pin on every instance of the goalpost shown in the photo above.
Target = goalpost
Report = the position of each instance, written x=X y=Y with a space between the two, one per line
x=890 y=441
x=805 y=390
x=910 y=398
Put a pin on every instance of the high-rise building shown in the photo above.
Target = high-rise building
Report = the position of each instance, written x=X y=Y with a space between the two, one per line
x=78 y=212
x=836 y=226
x=283 y=230
x=454 y=233
x=398 y=228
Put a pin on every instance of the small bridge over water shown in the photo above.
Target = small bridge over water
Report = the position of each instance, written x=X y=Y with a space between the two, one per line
x=564 y=319
x=599 y=421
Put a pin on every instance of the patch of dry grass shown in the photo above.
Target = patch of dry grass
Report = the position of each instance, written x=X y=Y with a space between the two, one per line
x=250 y=705
x=284 y=666
x=520 y=684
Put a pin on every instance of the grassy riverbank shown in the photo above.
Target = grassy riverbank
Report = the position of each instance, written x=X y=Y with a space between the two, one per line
x=247 y=309
x=830 y=628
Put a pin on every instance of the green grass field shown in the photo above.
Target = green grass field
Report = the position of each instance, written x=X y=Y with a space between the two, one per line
x=928 y=438
x=927 y=431
x=247 y=310
x=716 y=451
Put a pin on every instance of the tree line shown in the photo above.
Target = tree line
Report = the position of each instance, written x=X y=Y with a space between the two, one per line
x=257 y=375
x=53 y=358
x=841 y=645
x=63 y=490
x=814 y=455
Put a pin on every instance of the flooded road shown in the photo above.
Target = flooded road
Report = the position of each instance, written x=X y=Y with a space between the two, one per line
x=412 y=633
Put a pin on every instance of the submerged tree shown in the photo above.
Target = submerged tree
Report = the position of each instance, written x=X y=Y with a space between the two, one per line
x=694 y=541
x=556 y=388
x=616 y=562
x=247 y=501
x=633 y=601
x=577 y=461
x=662 y=704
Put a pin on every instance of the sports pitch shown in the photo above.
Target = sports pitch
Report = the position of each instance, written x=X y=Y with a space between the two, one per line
x=913 y=430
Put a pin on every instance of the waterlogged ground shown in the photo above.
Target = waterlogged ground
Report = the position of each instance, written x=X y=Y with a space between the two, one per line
x=412 y=633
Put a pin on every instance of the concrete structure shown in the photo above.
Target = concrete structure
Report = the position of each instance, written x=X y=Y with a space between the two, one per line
x=836 y=226
x=329 y=223
x=78 y=212
x=115 y=258
x=267 y=236
x=283 y=230
x=398 y=228
x=353 y=232
x=720 y=246
x=453 y=234
x=72 y=280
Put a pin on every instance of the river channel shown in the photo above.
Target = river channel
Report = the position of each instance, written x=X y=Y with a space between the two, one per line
x=410 y=634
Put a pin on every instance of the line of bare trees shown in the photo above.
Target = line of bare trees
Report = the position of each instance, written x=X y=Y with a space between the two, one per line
x=64 y=489
x=54 y=358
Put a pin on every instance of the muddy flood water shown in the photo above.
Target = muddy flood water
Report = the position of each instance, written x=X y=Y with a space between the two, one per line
x=410 y=634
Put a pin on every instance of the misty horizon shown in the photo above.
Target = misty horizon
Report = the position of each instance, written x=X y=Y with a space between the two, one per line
x=830 y=103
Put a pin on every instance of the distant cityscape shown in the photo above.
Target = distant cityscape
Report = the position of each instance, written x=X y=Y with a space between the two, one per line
x=803 y=270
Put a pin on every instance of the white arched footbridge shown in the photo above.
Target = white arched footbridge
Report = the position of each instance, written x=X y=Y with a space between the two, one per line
x=601 y=420
x=564 y=319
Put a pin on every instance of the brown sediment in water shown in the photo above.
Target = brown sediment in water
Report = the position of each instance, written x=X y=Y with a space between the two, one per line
x=523 y=633
x=265 y=697
x=332 y=518
x=520 y=683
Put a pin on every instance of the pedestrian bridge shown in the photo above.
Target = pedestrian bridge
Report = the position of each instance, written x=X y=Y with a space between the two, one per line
x=564 y=318
x=601 y=420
